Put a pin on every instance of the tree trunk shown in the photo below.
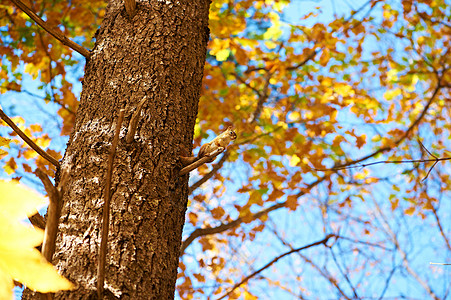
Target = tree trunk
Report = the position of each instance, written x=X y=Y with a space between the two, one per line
x=158 y=54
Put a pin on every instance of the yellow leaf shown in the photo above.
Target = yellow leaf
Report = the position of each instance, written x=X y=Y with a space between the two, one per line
x=294 y=160
x=387 y=14
x=410 y=211
x=273 y=32
x=223 y=54
x=36 y=128
x=10 y=166
x=324 y=58
x=4 y=141
x=361 y=175
x=391 y=94
x=294 y=116
x=270 y=45
x=19 y=260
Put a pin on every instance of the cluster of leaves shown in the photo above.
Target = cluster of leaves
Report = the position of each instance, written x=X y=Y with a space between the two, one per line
x=310 y=92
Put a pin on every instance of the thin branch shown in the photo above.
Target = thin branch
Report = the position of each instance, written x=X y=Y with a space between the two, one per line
x=106 y=208
x=244 y=280
x=430 y=169
x=37 y=221
x=27 y=140
x=439 y=224
x=130 y=7
x=344 y=274
x=424 y=148
x=198 y=232
x=306 y=60
x=243 y=81
x=134 y=120
x=386 y=162
x=53 y=214
x=397 y=142
x=198 y=163
x=55 y=33
x=392 y=235
x=261 y=101
x=326 y=274
x=210 y=174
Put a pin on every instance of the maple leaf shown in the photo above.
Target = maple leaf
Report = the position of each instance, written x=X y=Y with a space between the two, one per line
x=19 y=260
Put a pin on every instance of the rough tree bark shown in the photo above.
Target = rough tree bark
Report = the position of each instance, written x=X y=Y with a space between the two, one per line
x=158 y=54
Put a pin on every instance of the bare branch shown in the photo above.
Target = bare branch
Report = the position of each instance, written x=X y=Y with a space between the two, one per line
x=210 y=174
x=55 y=33
x=130 y=7
x=440 y=227
x=198 y=163
x=387 y=162
x=106 y=208
x=339 y=166
x=263 y=97
x=423 y=147
x=245 y=279
x=198 y=232
x=134 y=120
x=37 y=221
x=53 y=215
x=392 y=235
x=27 y=140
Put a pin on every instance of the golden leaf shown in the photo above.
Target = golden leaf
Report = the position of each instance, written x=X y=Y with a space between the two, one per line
x=19 y=259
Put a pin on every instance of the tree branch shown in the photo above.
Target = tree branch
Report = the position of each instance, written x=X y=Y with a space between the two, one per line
x=134 y=120
x=245 y=279
x=27 y=140
x=106 y=208
x=210 y=174
x=198 y=163
x=53 y=214
x=55 y=33
x=397 y=142
x=440 y=227
x=37 y=221
x=198 y=232
x=130 y=7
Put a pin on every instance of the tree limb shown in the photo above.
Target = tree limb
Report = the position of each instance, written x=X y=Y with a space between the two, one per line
x=339 y=166
x=37 y=221
x=55 y=33
x=210 y=174
x=201 y=161
x=134 y=120
x=53 y=215
x=245 y=279
x=198 y=232
x=106 y=208
x=27 y=140
x=130 y=7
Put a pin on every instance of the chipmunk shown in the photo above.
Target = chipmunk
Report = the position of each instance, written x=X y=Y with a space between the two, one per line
x=221 y=141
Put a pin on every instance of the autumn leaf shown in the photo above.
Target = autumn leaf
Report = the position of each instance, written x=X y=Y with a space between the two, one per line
x=19 y=259
x=4 y=142
x=409 y=211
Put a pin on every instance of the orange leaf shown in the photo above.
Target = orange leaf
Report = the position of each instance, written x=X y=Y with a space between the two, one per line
x=410 y=211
